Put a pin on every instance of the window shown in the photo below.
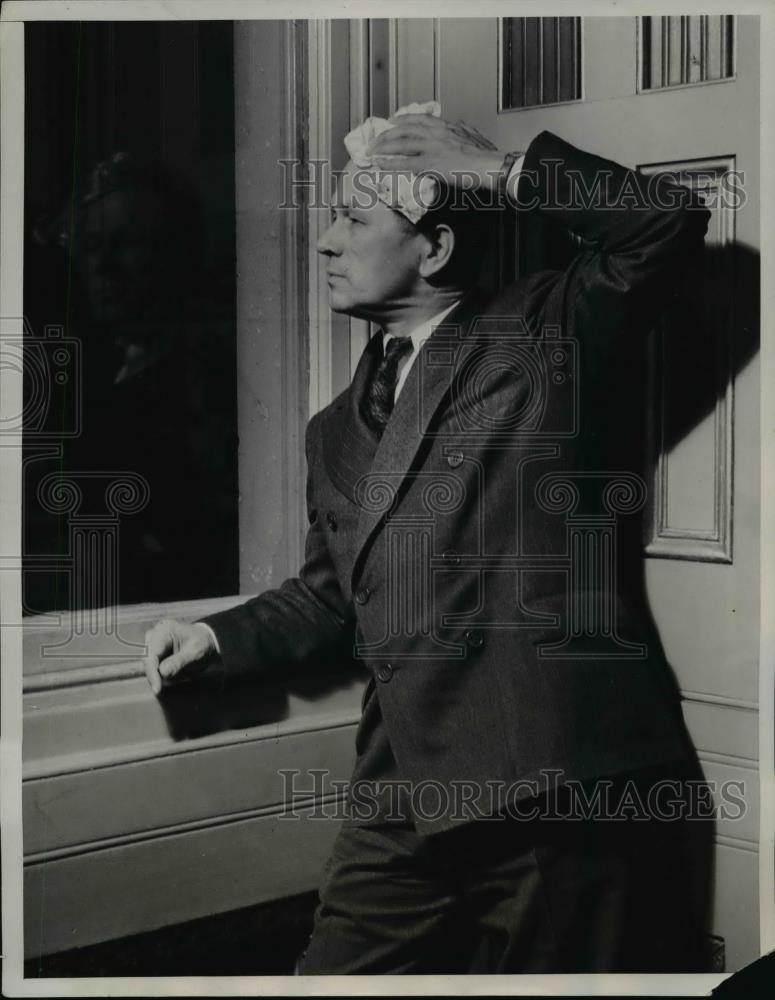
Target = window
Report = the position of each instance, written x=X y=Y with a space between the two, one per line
x=676 y=51
x=540 y=61
x=130 y=437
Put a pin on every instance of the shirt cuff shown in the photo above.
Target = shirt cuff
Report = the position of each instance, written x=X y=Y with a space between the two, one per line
x=212 y=634
x=512 y=180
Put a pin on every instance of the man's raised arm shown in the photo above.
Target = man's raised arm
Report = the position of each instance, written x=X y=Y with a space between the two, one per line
x=637 y=231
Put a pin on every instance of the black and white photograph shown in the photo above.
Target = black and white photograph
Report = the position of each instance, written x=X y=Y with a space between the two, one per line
x=387 y=549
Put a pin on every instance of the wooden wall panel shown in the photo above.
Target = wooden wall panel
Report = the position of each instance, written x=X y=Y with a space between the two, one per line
x=117 y=891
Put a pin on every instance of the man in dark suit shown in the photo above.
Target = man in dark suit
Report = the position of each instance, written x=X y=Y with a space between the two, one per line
x=522 y=759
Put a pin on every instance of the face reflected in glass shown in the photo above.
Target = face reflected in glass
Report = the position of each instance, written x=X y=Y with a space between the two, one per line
x=127 y=256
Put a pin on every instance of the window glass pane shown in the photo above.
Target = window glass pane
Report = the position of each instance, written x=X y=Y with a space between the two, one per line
x=675 y=51
x=541 y=61
x=130 y=477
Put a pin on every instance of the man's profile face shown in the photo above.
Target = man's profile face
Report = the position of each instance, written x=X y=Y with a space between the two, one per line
x=372 y=253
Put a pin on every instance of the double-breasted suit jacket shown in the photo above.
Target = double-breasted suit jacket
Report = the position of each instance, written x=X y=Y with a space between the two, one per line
x=470 y=556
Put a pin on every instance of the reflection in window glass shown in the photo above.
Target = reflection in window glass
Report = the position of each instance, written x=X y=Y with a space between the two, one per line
x=130 y=476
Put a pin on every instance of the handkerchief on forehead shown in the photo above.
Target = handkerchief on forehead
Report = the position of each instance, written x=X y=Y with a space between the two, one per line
x=407 y=193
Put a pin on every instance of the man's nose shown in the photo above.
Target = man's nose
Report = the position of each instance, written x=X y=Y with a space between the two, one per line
x=327 y=242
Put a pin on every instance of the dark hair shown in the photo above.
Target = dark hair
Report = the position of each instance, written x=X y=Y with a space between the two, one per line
x=473 y=219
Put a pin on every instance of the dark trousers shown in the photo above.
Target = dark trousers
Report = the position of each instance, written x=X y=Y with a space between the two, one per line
x=515 y=896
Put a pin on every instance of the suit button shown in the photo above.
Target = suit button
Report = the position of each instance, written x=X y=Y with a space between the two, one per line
x=331 y=520
x=454 y=459
x=362 y=595
x=451 y=557
x=384 y=673
x=474 y=638
x=313 y=516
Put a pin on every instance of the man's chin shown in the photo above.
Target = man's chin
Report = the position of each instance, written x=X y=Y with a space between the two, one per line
x=341 y=304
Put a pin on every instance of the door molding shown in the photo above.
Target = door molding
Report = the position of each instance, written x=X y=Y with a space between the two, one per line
x=669 y=540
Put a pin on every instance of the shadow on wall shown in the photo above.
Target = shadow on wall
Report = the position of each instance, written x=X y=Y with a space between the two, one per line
x=206 y=704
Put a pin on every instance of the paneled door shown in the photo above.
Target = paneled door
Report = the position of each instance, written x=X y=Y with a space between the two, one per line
x=678 y=94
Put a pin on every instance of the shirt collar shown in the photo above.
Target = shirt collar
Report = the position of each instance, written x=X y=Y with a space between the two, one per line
x=421 y=333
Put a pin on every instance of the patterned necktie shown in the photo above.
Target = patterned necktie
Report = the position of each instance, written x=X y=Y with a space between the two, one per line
x=380 y=395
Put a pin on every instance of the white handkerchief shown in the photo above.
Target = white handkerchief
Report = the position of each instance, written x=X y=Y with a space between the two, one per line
x=408 y=193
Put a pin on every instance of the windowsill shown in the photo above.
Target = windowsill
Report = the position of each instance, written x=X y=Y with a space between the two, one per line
x=92 y=726
x=60 y=642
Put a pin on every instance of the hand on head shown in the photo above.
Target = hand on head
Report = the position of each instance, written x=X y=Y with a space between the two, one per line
x=425 y=143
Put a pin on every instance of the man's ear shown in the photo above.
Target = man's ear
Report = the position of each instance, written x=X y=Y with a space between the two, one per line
x=439 y=246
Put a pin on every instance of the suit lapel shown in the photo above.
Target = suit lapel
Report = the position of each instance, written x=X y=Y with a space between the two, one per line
x=423 y=392
x=348 y=443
